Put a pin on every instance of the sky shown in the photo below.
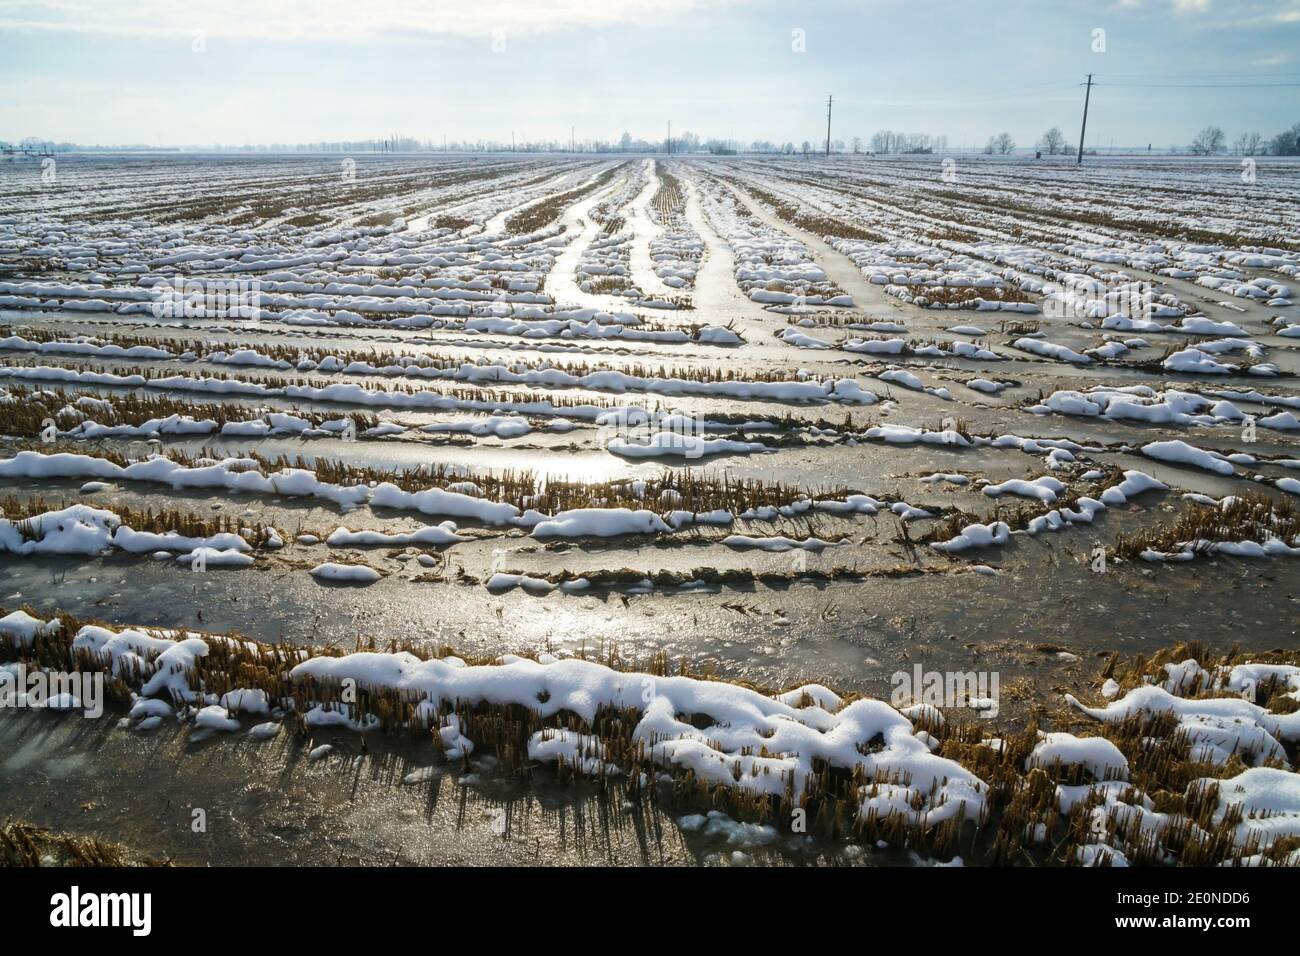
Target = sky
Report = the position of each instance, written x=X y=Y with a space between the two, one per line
x=205 y=72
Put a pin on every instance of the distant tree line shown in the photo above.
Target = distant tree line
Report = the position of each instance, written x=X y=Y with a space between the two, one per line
x=889 y=141
x=1208 y=142
x=1212 y=140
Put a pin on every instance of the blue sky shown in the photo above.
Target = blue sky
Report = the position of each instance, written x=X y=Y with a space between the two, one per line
x=100 y=72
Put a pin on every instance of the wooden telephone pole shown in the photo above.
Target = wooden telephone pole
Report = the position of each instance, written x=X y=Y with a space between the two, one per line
x=829 y=101
x=1086 y=97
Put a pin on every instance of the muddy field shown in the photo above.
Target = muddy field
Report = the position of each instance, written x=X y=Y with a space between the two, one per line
x=766 y=425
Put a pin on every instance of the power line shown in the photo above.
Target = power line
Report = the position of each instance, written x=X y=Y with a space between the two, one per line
x=946 y=99
x=1197 y=86
x=1131 y=80
x=1202 y=74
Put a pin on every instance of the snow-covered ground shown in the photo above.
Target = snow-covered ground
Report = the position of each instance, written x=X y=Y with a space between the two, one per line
x=745 y=389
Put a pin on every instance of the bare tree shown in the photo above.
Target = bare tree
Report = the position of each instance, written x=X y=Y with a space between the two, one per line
x=1004 y=143
x=889 y=141
x=1287 y=142
x=1208 y=141
x=1053 y=141
x=1248 y=144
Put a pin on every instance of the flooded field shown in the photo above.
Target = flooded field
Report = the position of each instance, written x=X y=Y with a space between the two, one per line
x=491 y=509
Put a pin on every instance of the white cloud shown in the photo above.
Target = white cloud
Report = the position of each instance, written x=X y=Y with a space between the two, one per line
x=1191 y=6
x=1290 y=15
x=342 y=20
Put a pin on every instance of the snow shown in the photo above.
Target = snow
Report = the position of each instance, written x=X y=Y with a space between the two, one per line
x=346 y=573
x=215 y=717
x=1216 y=726
x=246 y=700
x=677 y=445
x=83 y=530
x=1181 y=453
x=581 y=752
x=434 y=535
x=976 y=536
x=436 y=501
x=1051 y=350
x=130 y=650
x=1058 y=518
x=501 y=582
x=232 y=474
x=600 y=523
x=469 y=338
x=1268 y=799
x=1100 y=758
x=143 y=708
x=744 y=740
x=502 y=426
x=1099 y=854
x=264 y=731
x=1133 y=484
x=949 y=477
x=1195 y=361
x=1043 y=489
x=715 y=335
x=205 y=557
x=777 y=543
x=22 y=629
x=744 y=722
x=906 y=435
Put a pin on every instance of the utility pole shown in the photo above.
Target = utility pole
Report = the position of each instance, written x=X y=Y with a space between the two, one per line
x=829 y=100
x=1083 y=131
x=573 y=147
x=670 y=136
